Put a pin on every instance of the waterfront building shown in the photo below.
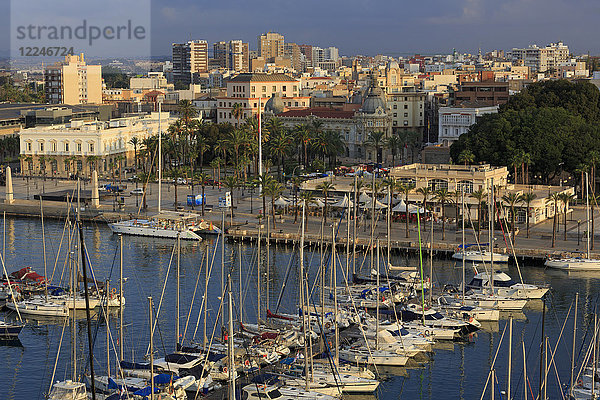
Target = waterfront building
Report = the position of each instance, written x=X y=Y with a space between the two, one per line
x=78 y=147
x=73 y=81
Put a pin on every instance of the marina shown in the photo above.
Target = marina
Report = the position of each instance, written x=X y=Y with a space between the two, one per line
x=149 y=270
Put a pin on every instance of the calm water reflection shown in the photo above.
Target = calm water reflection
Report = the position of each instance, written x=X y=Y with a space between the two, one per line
x=455 y=371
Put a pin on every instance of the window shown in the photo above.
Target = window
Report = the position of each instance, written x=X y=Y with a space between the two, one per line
x=395 y=106
x=437 y=184
x=406 y=106
x=405 y=115
x=66 y=146
x=283 y=88
x=41 y=146
x=274 y=89
x=405 y=123
x=53 y=146
x=79 y=147
x=466 y=186
x=295 y=88
x=395 y=114
x=264 y=89
x=253 y=88
x=28 y=146
x=91 y=147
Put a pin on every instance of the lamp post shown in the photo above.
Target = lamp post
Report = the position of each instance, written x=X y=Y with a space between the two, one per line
x=578 y=237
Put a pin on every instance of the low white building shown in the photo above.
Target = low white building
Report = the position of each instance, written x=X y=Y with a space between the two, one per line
x=454 y=121
x=79 y=147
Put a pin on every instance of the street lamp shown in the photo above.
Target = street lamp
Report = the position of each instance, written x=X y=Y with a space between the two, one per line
x=578 y=237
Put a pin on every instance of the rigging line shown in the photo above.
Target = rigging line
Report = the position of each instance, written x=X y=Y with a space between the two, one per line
x=291 y=262
x=113 y=263
x=193 y=296
x=67 y=222
x=57 y=354
x=205 y=297
x=556 y=318
x=588 y=327
x=558 y=342
x=162 y=294
x=487 y=381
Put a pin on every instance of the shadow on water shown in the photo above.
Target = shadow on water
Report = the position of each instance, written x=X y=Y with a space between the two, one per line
x=16 y=342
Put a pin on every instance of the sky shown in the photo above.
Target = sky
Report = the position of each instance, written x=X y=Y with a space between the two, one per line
x=366 y=27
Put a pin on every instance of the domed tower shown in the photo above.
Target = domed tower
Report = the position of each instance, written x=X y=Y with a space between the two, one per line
x=274 y=105
x=374 y=122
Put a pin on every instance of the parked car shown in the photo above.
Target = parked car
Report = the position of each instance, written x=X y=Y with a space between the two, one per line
x=137 y=192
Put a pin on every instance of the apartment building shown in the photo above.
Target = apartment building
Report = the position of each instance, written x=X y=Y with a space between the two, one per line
x=253 y=88
x=271 y=45
x=79 y=147
x=541 y=59
x=232 y=55
x=488 y=93
x=406 y=107
x=72 y=82
x=189 y=60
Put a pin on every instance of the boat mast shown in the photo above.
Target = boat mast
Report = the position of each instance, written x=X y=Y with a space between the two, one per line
x=430 y=264
x=151 y=347
x=230 y=344
x=74 y=275
x=335 y=302
x=258 y=262
x=240 y=257
x=206 y=267
x=348 y=238
x=491 y=232
x=525 y=382
x=463 y=243
x=354 y=226
x=421 y=262
x=389 y=224
x=177 y=290
x=587 y=214
x=377 y=297
x=268 y=266
x=159 y=155
x=44 y=250
x=121 y=297
x=373 y=199
x=87 y=297
x=302 y=308
x=573 y=349
x=510 y=328
x=223 y=265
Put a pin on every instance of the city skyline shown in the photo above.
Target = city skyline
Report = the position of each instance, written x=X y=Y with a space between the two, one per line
x=375 y=27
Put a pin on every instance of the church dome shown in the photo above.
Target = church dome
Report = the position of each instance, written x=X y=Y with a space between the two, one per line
x=274 y=105
x=393 y=65
x=374 y=100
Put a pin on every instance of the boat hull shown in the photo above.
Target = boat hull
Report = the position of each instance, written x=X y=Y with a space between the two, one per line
x=479 y=256
x=129 y=229
x=574 y=264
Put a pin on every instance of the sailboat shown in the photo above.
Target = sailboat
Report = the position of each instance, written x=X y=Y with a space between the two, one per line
x=578 y=263
x=478 y=255
x=165 y=224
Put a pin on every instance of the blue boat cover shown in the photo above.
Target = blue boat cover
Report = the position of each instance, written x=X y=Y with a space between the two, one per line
x=145 y=391
x=178 y=358
x=163 y=379
x=268 y=379
x=134 y=365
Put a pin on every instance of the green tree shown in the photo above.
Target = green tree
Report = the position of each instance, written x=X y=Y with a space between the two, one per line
x=466 y=157
x=325 y=188
x=273 y=189
x=394 y=144
x=203 y=178
x=375 y=140
x=443 y=196
x=565 y=198
x=231 y=182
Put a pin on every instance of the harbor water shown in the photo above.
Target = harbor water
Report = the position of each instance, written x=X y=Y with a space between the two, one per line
x=456 y=370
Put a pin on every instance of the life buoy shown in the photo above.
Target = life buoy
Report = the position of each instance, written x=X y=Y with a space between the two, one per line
x=225 y=369
x=470 y=319
x=247 y=363
x=426 y=333
x=113 y=291
x=327 y=325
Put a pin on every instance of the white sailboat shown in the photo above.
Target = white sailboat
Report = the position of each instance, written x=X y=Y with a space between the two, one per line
x=505 y=286
x=578 y=263
x=480 y=256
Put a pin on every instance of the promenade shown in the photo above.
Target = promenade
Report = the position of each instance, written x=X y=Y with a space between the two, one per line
x=248 y=206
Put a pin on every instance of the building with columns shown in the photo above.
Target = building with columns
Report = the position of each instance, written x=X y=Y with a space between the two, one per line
x=79 y=147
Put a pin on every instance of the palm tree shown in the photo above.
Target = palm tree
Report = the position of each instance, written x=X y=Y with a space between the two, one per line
x=480 y=196
x=237 y=112
x=375 y=140
x=527 y=161
x=92 y=162
x=466 y=157
x=215 y=164
x=203 y=177
x=443 y=196
x=263 y=180
x=187 y=111
x=527 y=198
x=565 y=198
x=273 y=189
x=554 y=198
x=309 y=198
x=135 y=142
x=296 y=182
x=279 y=146
x=303 y=136
x=394 y=144
x=231 y=182
x=325 y=187
x=512 y=199
x=406 y=188
x=426 y=192
x=176 y=173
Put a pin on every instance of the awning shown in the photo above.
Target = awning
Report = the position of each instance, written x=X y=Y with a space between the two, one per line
x=343 y=203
